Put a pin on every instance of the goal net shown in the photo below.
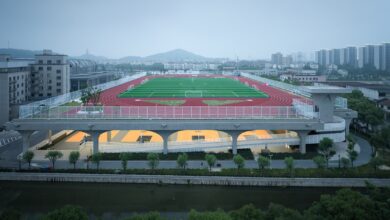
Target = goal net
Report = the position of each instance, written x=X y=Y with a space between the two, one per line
x=193 y=93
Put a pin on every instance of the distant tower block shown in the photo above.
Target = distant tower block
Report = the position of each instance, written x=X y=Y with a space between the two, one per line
x=324 y=99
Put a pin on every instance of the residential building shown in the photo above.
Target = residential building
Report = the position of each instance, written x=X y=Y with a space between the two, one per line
x=14 y=86
x=277 y=58
x=50 y=75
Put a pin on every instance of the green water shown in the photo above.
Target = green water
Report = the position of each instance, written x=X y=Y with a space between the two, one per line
x=39 y=197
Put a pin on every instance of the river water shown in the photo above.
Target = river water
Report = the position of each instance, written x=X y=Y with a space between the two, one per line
x=112 y=201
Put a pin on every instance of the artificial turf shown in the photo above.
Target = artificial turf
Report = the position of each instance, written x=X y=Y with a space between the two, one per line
x=197 y=87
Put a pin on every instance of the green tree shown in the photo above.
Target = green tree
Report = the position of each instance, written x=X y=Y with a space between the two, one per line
x=28 y=156
x=276 y=211
x=319 y=161
x=352 y=153
x=290 y=164
x=67 y=212
x=73 y=158
x=326 y=149
x=124 y=157
x=345 y=162
x=211 y=159
x=146 y=216
x=381 y=140
x=10 y=214
x=239 y=161
x=53 y=156
x=216 y=215
x=247 y=212
x=182 y=160
x=96 y=158
x=346 y=204
x=153 y=160
x=375 y=162
x=91 y=94
x=262 y=162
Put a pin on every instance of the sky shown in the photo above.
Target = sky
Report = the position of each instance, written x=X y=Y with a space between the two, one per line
x=248 y=29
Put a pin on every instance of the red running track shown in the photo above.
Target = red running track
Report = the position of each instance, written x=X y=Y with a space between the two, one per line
x=276 y=97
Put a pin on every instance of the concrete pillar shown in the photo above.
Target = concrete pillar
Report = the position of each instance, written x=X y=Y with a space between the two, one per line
x=95 y=140
x=25 y=140
x=165 y=135
x=347 y=123
x=49 y=136
x=234 y=135
x=108 y=136
x=302 y=141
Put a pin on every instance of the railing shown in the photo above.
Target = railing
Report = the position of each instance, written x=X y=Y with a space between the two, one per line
x=167 y=112
x=280 y=85
x=26 y=110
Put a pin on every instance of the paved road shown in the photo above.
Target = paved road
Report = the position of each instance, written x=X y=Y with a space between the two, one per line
x=363 y=158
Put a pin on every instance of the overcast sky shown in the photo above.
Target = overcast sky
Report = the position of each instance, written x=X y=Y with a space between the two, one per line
x=213 y=28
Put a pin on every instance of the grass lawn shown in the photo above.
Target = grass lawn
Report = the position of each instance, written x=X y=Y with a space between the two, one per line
x=220 y=102
x=167 y=102
x=197 y=87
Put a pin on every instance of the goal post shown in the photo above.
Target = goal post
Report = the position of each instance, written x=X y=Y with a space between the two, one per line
x=193 y=93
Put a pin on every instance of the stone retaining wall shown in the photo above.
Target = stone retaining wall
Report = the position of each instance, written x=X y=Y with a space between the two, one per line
x=195 y=180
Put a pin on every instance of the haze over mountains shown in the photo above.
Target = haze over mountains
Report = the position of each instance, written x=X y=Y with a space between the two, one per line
x=177 y=55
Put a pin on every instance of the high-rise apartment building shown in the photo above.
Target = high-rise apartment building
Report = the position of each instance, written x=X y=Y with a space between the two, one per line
x=277 y=58
x=366 y=56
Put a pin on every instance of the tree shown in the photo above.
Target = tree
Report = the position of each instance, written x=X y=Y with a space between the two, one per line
x=247 y=212
x=239 y=161
x=276 y=211
x=289 y=162
x=53 y=156
x=375 y=162
x=182 y=160
x=325 y=148
x=352 y=154
x=346 y=204
x=153 y=160
x=263 y=162
x=28 y=156
x=146 y=216
x=73 y=158
x=381 y=140
x=96 y=158
x=216 y=215
x=345 y=162
x=319 y=161
x=67 y=212
x=124 y=157
x=211 y=159
x=91 y=94
x=11 y=214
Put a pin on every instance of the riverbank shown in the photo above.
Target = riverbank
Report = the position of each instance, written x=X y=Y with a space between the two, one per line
x=194 y=180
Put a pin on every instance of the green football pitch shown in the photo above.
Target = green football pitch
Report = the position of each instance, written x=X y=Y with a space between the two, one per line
x=192 y=88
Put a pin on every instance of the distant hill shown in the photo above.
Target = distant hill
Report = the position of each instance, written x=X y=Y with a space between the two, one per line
x=19 y=53
x=175 y=56
x=88 y=56
x=130 y=59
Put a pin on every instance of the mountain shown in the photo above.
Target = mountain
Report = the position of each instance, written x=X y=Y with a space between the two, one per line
x=19 y=53
x=89 y=56
x=175 y=56
x=130 y=59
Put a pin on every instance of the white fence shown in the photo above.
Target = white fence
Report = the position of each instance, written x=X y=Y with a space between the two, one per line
x=168 y=112
x=26 y=110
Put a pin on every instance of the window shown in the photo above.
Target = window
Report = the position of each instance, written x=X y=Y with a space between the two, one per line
x=40 y=61
x=49 y=88
x=58 y=90
x=58 y=84
x=59 y=77
x=58 y=71
x=48 y=68
x=49 y=62
x=48 y=94
x=40 y=68
x=58 y=61
x=49 y=81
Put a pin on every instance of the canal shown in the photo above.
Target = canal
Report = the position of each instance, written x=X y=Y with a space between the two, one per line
x=100 y=199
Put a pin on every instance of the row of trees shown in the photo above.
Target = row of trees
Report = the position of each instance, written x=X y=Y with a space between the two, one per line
x=344 y=204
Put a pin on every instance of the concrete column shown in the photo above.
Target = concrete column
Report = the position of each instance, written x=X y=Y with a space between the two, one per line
x=108 y=136
x=347 y=123
x=95 y=140
x=25 y=140
x=49 y=137
x=302 y=141
x=234 y=135
x=165 y=135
